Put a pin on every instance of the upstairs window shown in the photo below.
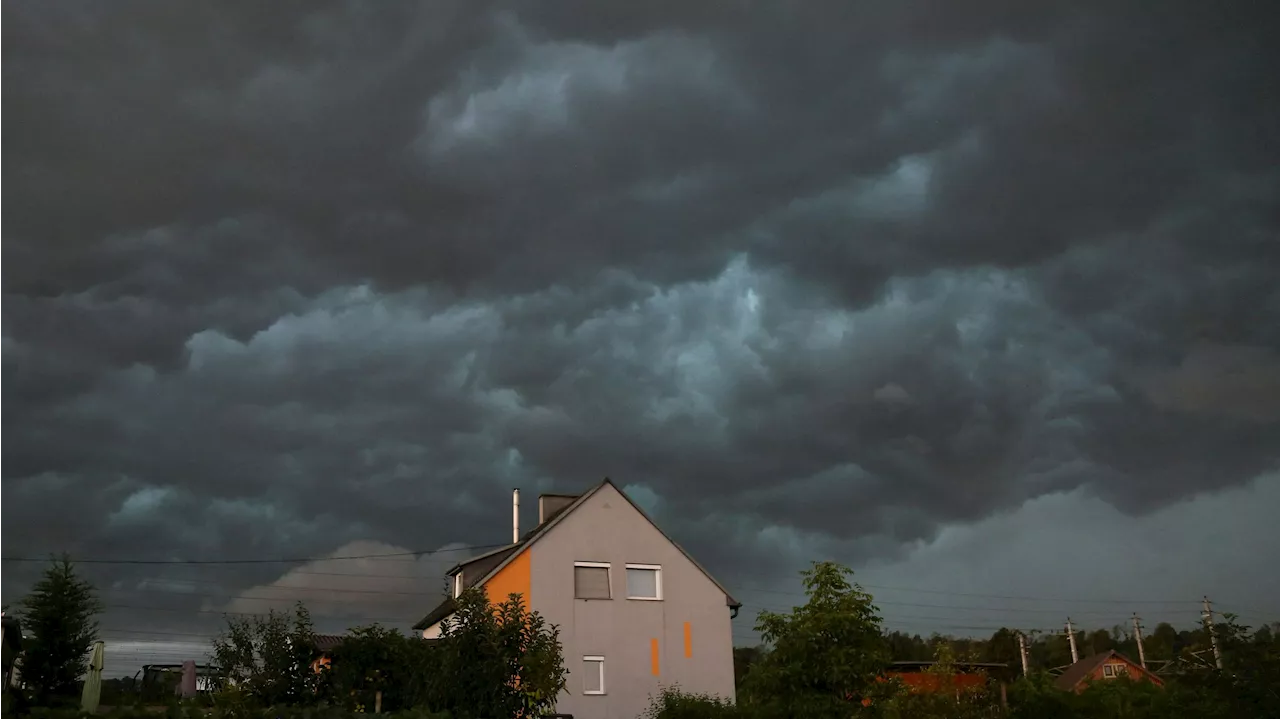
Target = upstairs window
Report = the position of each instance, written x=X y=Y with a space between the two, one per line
x=591 y=580
x=644 y=581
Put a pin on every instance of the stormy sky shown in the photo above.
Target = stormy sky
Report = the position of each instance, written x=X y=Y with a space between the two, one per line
x=981 y=298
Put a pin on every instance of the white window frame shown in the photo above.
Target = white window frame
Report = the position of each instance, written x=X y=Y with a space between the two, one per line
x=657 y=572
x=1108 y=671
x=599 y=660
x=596 y=565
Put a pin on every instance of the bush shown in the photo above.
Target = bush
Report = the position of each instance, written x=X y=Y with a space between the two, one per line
x=672 y=703
x=191 y=711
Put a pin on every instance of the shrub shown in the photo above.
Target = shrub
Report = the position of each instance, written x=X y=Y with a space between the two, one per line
x=672 y=703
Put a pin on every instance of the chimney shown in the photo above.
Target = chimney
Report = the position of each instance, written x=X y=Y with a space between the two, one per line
x=515 y=516
x=549 y=505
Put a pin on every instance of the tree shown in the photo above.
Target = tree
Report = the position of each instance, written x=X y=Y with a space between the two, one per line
x=743 y=659
x=60 y=620
x=374 y=659
x=497 y=660
x=267 y=660
x=825 y=657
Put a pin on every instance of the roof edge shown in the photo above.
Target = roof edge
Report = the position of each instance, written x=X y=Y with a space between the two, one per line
x=559 y=516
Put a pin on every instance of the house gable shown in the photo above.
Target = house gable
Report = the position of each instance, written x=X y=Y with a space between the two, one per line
x=1101 y=667
x=609 y=487
x=509 y=569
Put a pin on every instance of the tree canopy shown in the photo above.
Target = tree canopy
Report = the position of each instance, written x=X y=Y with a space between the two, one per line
x=825 y=656
x=267 y=659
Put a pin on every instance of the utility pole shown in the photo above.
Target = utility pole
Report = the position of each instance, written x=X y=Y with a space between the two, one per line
x=1137 y=635
x=1213 y=636
x=1022 y=649
x=1071 y=637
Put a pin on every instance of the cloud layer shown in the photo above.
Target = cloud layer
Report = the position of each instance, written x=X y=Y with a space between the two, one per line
x=817 y=280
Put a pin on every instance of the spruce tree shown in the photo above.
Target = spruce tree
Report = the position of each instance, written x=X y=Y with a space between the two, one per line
x=60 y=618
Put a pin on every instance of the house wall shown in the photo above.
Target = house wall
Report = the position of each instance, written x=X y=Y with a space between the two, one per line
x=684 y=639
x=511 y=579
x=926 y=682
x=1134 y=670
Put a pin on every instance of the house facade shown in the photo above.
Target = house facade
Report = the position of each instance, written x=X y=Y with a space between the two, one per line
x=1103 y=666
x=635 y=611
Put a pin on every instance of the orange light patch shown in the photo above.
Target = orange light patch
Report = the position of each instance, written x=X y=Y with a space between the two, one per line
x=688 y=640
x=653 y=655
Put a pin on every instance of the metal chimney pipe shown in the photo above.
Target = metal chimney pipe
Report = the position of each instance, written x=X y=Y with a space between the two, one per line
x=515 y=516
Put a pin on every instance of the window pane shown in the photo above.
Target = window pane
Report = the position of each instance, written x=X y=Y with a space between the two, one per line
x=642 y=583
x=591 y=582
x=592 y=676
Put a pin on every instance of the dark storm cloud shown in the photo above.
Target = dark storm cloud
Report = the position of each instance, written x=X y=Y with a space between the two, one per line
x=818 y=277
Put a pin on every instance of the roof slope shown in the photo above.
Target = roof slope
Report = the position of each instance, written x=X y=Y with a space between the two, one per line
x=1076 y=673
x=509 y=553
x=1082 y=669
x=328 y=642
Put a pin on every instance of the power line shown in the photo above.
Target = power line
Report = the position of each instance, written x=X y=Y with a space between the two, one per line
x=287 y=560
x=990 y=596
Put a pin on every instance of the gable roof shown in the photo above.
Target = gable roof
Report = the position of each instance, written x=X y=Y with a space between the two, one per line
x=509 y=553
x=1084 y=668
x=328 y=642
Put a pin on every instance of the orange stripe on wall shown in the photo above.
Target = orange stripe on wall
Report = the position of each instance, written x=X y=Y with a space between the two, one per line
x=515 y=578
x=688 y=640
x=653 y=654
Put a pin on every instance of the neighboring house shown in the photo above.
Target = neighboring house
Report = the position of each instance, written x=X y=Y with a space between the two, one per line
x=967 y=675
x=635 y=611
x=1101 y=667
x=160 y=681
x=325 y=644
x=11 y=638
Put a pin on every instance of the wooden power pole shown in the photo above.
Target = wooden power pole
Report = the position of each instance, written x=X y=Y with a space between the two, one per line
x=1071 y=638
x=1213 y=636
x=1022 y=650
x=1137 y=636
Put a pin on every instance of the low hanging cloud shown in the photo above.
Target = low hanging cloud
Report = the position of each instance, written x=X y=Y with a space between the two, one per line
x=387 y=585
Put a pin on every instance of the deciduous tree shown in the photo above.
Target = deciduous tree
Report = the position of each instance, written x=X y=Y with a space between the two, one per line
x=267 y=659
x=498 y=660
x=825 y=657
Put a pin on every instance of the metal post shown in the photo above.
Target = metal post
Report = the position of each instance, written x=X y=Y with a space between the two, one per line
x=515 y=516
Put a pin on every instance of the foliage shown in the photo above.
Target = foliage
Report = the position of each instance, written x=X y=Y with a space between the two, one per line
x=1249 y=682
x=374 y=659
x=672 y=703
x=743 y=659
x=942 y=695
x=59 y=621
x=825 y=657
x=497 y=661
x=196 y=711
x=266 y=661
